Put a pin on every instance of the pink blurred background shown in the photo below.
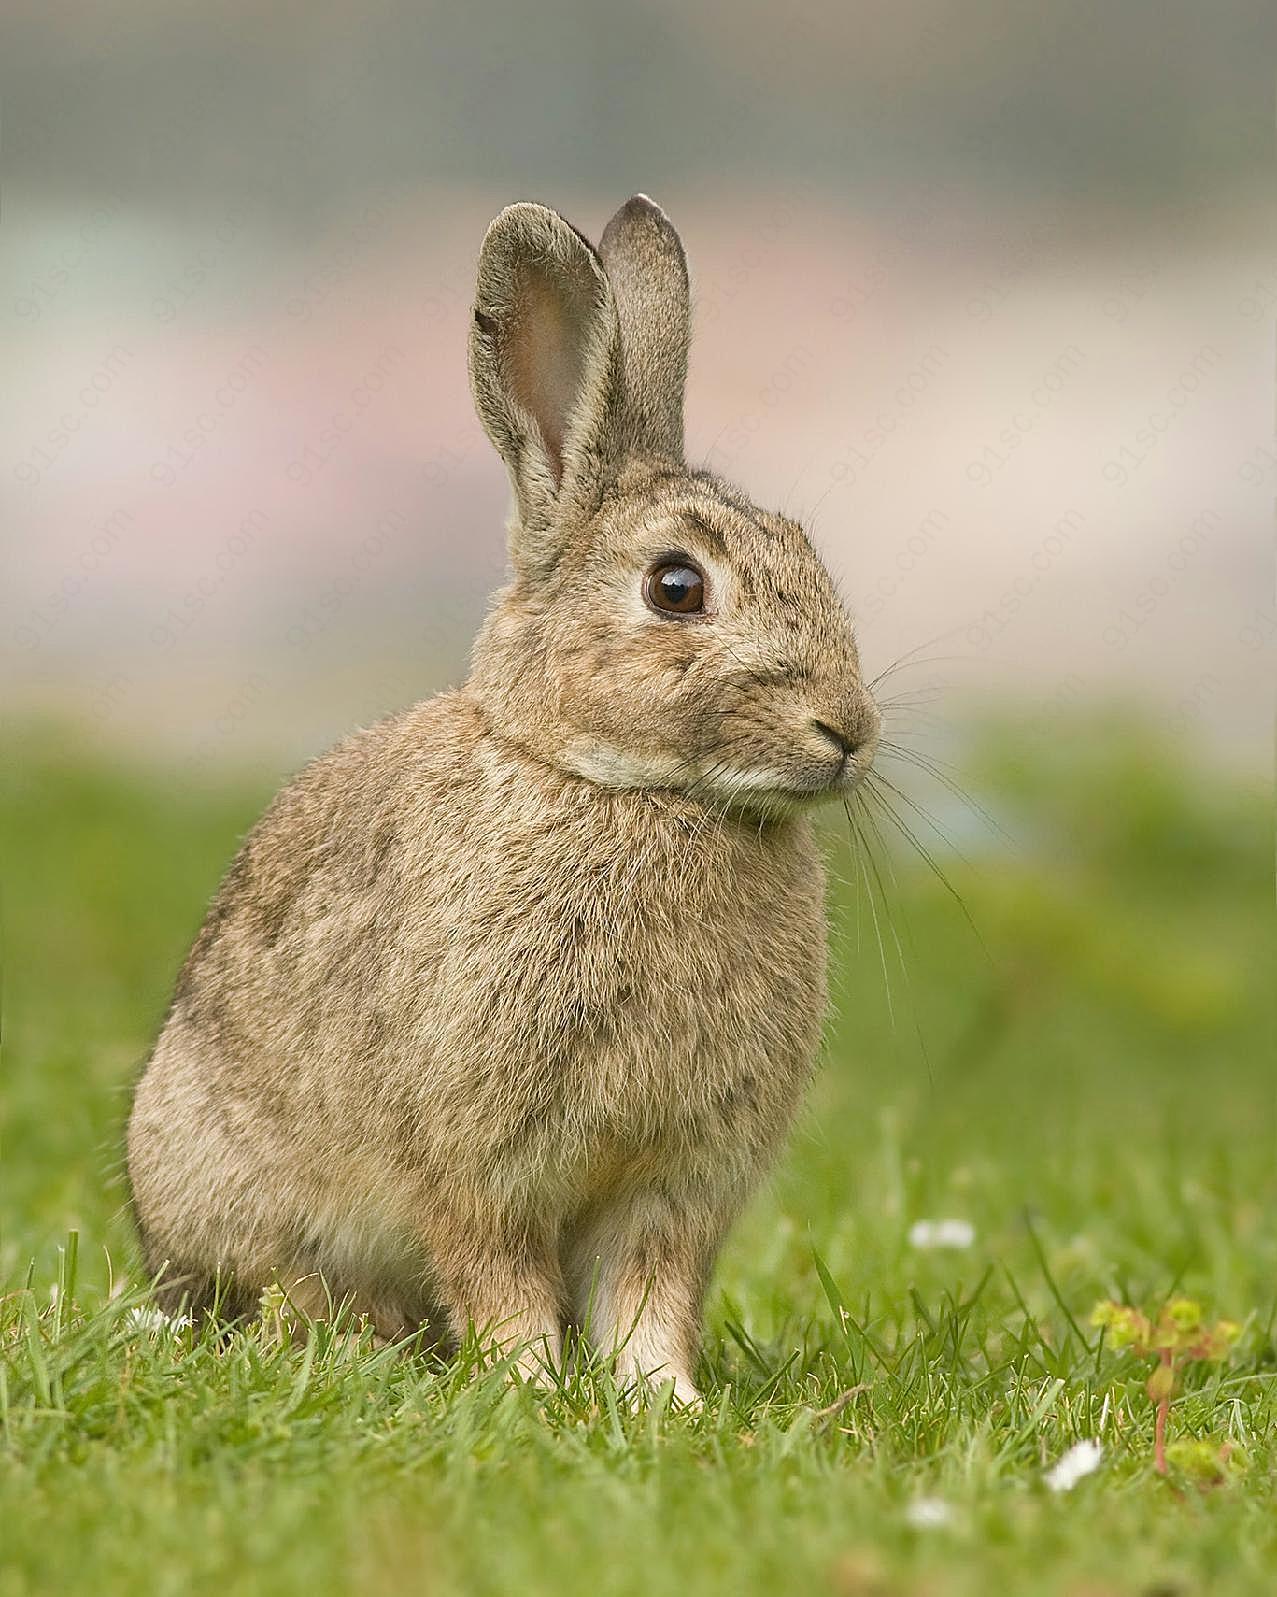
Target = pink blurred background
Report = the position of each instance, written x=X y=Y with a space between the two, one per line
x=983 y=294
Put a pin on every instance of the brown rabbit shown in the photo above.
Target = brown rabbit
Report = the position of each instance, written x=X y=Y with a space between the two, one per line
x=506 y=1003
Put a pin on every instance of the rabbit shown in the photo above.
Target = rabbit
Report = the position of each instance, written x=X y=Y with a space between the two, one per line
x=506 y=1004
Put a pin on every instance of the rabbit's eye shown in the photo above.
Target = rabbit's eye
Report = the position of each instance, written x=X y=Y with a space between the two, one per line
x=675 y=589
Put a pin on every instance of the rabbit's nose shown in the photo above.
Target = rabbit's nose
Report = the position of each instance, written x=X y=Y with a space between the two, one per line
x=846 y=742
x=853 y=727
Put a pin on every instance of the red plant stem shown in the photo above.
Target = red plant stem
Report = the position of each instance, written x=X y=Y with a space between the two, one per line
x=1159 y=1424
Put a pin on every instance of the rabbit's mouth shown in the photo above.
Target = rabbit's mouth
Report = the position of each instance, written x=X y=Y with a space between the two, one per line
x=819 y=771
x=806 y=786
x=828 y=760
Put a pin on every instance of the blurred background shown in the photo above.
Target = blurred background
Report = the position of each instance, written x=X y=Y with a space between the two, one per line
x=983 y=293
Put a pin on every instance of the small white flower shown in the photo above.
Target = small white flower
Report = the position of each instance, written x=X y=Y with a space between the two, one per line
x=941 y=1234
x=1083 y=1458
x=156 y=1320
x=926 y=1513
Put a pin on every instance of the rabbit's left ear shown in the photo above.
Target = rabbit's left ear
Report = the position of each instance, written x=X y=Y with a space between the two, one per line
x=648 y=271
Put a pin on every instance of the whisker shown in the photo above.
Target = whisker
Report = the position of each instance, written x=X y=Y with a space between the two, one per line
x=754 y=676
x=925 y=854
x=926 y=719
x=908 y=657
x=910 y=698
x=811 y=514
x=900 y=955
x=859 y=849
x=877 y=780
x=937 y=771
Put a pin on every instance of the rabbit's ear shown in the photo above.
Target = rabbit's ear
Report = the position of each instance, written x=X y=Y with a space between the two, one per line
x=645 y=262
x=545 y=368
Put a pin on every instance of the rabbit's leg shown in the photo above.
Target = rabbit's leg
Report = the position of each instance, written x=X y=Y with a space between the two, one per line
x=506 y=1285
x=316 y=1297
x=639 y=1268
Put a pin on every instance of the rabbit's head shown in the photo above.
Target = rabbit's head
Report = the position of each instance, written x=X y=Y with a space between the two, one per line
x=660 y=630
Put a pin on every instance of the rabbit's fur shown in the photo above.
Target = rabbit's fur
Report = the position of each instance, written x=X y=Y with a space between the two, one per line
x=505 y=1004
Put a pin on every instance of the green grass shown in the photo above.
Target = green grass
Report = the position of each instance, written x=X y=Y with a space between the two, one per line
x=1093 y=1089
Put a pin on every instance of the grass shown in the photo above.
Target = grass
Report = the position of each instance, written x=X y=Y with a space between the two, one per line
x=1091 y=1086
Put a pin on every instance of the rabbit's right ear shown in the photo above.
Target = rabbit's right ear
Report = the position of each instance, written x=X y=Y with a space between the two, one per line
x=545 y=371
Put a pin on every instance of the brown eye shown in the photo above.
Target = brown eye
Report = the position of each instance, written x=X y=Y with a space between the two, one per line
x=675 y=589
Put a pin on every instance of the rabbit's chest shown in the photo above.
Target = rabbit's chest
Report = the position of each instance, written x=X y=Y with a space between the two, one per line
x=634 y=1016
